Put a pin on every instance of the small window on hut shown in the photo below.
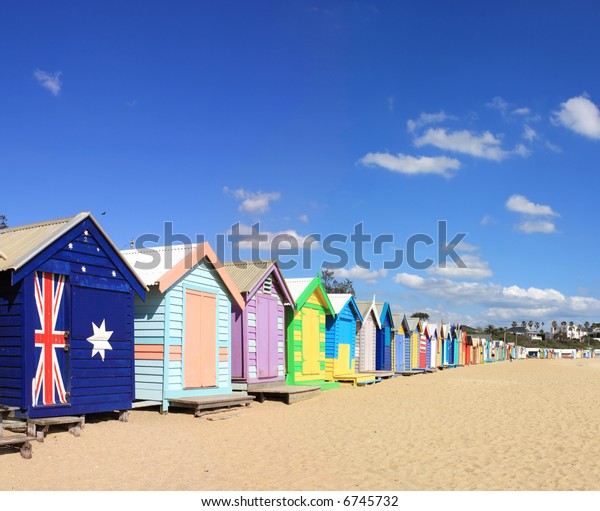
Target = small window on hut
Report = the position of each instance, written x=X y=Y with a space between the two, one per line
x=267 y=286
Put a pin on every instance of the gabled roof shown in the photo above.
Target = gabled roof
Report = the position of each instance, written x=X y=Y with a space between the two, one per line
x=384 y=308
x=166 y=265
x=339 y=301
x=414 y=323
x=19 y=245
x=302 y=288
x=366 y=308
x=400 y=319
x=248 y=276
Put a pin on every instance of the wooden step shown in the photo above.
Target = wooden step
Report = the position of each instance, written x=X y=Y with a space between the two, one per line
x=288 y=393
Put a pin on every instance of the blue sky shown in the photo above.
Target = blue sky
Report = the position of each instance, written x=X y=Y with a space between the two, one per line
x=312 y=117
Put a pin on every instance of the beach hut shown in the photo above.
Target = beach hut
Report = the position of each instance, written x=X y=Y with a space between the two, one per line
x=401 y=343
x=66 y=320
x=306 y=333
x=340 y=342
x=258 y=329
x=183 y=331
x=383 y=342
x=415 y=326
x=432 y=338
x=366 y=335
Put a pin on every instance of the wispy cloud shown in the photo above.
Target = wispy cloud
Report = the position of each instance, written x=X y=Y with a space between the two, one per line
x=532 y=226
x=49 y=81
x=253 y=202
x=360 y=273
x=424 y=119
x=391 y=103
x=537 y=217
x=521 y=204
x=498 y=103
x=476 y=269
x=411 y=165
x=521 y=111
x=485 y=145
x=303 y=218
x=529 y=133
x=273 y=240
x=486 y=220
x=580 y=115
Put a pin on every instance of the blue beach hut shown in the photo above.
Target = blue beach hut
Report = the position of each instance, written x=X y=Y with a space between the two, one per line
x=383 y=354
x=66 y=320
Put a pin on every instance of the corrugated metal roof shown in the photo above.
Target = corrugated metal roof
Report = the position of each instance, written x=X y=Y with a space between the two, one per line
x=339 y=301
x=412 y=323
x=246 y=274
x=398 y=317
x=167 y=258
x=19 y=244
x=297 y=286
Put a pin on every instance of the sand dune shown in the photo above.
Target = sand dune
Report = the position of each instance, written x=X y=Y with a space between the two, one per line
x=526 y=425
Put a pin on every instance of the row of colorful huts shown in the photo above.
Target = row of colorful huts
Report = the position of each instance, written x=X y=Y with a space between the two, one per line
x=85 y=327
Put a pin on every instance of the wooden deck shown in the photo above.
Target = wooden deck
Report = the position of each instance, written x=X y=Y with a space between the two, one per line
x=74 y=425
x=408 y=373
x=358 y=379
x=384 y=375
x=288 y=393
x=202 y=404
x=14 y=440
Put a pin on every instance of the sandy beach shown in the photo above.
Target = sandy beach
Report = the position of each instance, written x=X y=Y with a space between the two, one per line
x=526 y=425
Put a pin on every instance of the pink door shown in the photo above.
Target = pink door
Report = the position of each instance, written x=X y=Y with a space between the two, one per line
x=200 y=343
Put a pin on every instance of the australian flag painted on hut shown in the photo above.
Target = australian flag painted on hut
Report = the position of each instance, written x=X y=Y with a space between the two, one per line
x=66 y=319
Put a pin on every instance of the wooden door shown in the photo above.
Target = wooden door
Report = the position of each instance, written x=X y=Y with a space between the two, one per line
x=200 y=343
x=266 y=336
x=311 y=341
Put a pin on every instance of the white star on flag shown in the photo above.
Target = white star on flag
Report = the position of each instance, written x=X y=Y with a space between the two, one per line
x=70 y=246
x=100 y=339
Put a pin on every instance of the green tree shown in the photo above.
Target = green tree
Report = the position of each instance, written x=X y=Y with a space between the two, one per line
x=513 y=324
x=421 y=315
x=3 y=222
x=334 y=286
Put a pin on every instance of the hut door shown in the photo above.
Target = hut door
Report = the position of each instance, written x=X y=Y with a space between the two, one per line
x=343 y=363
x=266 y=336
x=51 y=384
x=311 y=334
x=369 y=345
x=200 y=343
x=399 y=354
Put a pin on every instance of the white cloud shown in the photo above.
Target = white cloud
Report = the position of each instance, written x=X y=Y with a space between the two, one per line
x=521 y=204
x=50 y=81
x=529 y=133
x=499 y=104
x=532 y=226
x=486 y=145
x=425 y=119
x=270 y=240
x=476 y=269
x=486 y=220
x=521 y=111
x=503 y=303
x=580 y=115
x=360 y=273
x=412 y=165
x=303 y=218
x=253 y=202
